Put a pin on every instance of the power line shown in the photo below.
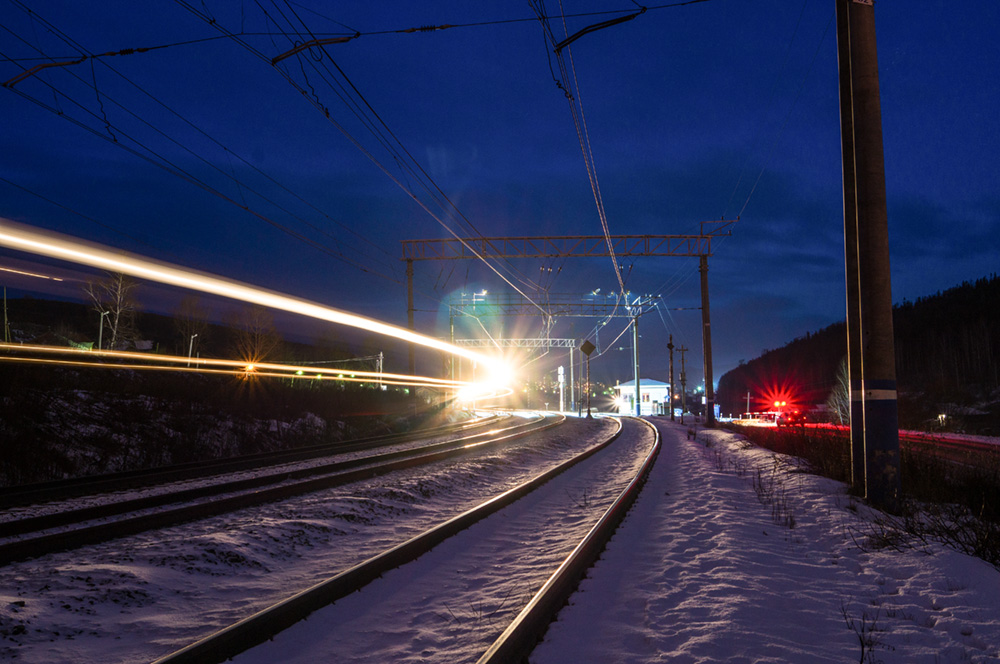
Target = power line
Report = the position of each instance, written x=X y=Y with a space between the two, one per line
x=375 y=125
x=580 y=123
x=788 y=116
x=159 y=160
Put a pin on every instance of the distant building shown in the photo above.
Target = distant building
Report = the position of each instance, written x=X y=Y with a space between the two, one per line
x=653 y=397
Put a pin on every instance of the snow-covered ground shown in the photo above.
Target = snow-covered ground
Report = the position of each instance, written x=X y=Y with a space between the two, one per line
x=702 y=571
x=141 y=597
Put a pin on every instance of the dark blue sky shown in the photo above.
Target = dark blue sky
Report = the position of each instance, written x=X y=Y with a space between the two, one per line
x=721 y=108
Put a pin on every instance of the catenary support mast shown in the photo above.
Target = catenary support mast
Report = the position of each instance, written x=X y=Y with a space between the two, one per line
x=878 y=369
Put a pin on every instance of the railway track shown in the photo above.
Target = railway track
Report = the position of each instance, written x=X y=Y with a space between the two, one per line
x=56 y=490
x=529 y=514
x=34 y=536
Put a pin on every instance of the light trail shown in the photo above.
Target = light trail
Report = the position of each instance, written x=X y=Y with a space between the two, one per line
x=61 y=247
x=215 y=365
x=239 y=372
x=29 y=274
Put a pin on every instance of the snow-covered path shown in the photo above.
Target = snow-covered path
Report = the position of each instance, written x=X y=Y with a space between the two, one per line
x=700 y=572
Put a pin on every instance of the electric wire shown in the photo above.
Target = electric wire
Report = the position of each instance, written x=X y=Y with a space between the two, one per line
x=572 y=93
x=788 y=116
x=435 y=191
x=412 y=165
x=159 y=160
x=227 y=150
x=767 y=106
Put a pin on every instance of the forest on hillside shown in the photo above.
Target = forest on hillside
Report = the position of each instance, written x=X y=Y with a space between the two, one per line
x=947 y=362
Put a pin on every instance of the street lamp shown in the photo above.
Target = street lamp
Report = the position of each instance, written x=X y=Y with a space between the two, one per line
x=190 y=348
x=100 y=334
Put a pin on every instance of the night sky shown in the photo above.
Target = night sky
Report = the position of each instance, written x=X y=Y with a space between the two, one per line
x=710 y=110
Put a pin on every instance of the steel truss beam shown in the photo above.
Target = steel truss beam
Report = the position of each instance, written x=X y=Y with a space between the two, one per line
x=516 y=343
x=576 y=246
x=555 y=305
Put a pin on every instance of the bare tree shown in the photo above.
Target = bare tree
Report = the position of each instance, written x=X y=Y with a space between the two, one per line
x=839 y=401
x=114 y=300
x=255 y=338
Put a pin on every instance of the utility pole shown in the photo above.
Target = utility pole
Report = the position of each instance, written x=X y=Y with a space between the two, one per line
x=409 y=313
x=562 y=385
x=451 y=340
x=572 y=394
x=867 y=238
x=587 y=348
x=381 y=364
x=6 y=323
x=100 y=334
x=683 y=350
x=853 y=280
x=635 y=361
x=706 y=343
x=670 y=401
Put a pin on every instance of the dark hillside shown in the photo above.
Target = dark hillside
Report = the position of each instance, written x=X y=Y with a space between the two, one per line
x=947 y=361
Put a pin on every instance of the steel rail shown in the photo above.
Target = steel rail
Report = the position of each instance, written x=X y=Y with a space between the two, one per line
x=77 y=516
x=384 y=464
x=521 y=636
x=264 y=624
x=71 y=488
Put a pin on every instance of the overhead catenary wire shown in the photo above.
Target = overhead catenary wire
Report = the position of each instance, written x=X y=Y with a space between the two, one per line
x=388 y=140
x=437 y=194
x=788 y=115
x=543 y=285
x=354 y=34
x=572 y=93
x=767 y=107
x=157 y=159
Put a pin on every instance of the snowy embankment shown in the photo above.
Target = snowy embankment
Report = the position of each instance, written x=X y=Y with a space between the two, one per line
x=702 y=571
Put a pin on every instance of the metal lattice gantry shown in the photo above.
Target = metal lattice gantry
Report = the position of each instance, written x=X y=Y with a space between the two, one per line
x=582 y=246
x=552 y=305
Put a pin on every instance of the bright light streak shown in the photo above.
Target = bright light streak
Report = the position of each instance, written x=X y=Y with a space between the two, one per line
x=483 y=392
x=24 y=238
x=154 y=361
x=29 y=274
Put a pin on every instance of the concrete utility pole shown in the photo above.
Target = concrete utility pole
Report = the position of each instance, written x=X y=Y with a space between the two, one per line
x=6 y=324
x=855 y=401
x=670 y=394
x=572 y=393
x=409 y=313
x=683 y=350
x=706 y=343
x=871 y=354
x=635 y=361
x=587 y=348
